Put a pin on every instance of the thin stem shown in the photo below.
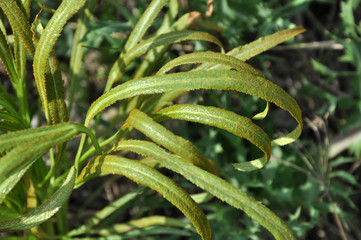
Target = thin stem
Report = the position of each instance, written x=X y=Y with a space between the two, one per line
x=337 y=218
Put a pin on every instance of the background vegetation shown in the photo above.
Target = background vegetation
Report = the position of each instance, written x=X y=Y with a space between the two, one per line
x=313 y=184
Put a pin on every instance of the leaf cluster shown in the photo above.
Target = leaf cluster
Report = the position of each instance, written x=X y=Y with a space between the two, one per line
x=31 y=193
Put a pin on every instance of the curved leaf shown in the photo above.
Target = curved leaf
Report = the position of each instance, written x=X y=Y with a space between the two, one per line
x=11 y=140
x=213 y=184
x=263 y=114
x=264 y=43
x=164 y=39
x=141 y=223
x=214 y=79
x=7 y=58
x=14 y=119
x=223 y=119
x=34 y=142
x=54 y=95
x=44 y=211
x=153 y=57
x=153 y=179
x=105 y=212
x=210 y=57
x=144 y=23
x=166 y=138
x=47 y=40
x=256 y=47
x=19 y=23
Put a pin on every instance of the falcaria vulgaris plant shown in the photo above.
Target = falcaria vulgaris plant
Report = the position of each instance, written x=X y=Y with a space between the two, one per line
x=34 y=197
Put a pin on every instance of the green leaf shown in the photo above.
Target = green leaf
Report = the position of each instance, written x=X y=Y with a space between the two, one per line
x=18 y=156
x=14 y=119
x=345 y=176
x=264 y=43
x=141 y=223
x=136 y=35
x=166 y=138
x=210 y=57
x=144 y=23
x=213 y=184
x=11 y=140
x=154 y=57
x=263 y=114
x=7 y=58
x=153 y=179
x=46 y=42
x=17 y=161
x=106 y=212
x=223 y=119
x=54 y=85
x=19 y=23
x=45 y=210
x=78 y=49
x=254 y=48
x=215 y=79
x=164 y=39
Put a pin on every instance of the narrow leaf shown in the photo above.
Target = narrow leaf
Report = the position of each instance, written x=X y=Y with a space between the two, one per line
x=149 y=63
x=255 y=48
x=210 y=57
x=19 y=156
x=153 y=179
x=7 y=58
x=141 y=223
x=106 y=212
x=166 y=138
x=11 y=140
x=78 y=49
x=263 y=114
x=48 y=38
x=214 y=79
x=45 y=210
x=144 y=23
x=213 y=184
x=54 y=95
x=223 y=119
x=17 y=161
x=19 y=23
x=264 y=43
x=164 y=39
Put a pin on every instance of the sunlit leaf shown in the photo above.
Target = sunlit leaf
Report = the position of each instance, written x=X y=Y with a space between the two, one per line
x=264 y=43
x=19 y=24
x=166 y=138
x=144 y=22
x=256 y=47
x=45 y=210
x=223 y=119
x=141 y=223
x=153 y=179
x=221 y=80
x=213 y=184
x=210 y=57
x=164 y=39
x=54 y=84
x=19 y=156
x=46 y=42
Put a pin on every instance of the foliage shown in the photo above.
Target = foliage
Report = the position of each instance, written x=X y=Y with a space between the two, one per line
x=31 y=194
x=314 y=182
